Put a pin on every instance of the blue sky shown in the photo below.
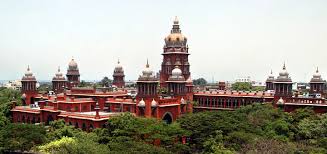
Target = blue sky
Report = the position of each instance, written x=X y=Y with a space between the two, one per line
x=227 y=39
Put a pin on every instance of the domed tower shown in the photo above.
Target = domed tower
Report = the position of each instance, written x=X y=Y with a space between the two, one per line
x=270 y=81
x=58 y=82
x=147 y=85
x=176 y=83
x=317 y=84
x=119 y=76
x=175 y=54
x=29 y=90
x=72 y=74
x=283 y=84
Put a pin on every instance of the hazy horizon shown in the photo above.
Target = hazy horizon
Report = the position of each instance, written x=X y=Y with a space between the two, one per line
x=227 y=39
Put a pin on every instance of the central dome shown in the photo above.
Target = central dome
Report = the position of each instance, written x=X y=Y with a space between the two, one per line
x=175 y=38
x=72 y=65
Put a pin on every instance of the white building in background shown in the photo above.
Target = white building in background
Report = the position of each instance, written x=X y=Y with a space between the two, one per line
x=15 y=84
x=244 y=79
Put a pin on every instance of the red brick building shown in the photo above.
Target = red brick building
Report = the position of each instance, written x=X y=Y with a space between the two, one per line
x=165 y=95
x=118 y=76
x=285 y=98
x=73 y=76
x=89 y=108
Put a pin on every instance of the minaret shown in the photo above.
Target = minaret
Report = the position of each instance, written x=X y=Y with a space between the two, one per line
x=317 y=84
x=29 y=90
x=270 y=82
x=147 y=85
x=175 y=54
x=283 y=85
x=73 y=76
x=119 y=76
x=58 y=82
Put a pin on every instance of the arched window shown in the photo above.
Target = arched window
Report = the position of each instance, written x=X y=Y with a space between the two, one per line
x=168 y=118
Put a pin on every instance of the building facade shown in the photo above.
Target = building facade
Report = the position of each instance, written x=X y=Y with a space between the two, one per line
x=118 y=76
x=175 y=54
x=73 y=76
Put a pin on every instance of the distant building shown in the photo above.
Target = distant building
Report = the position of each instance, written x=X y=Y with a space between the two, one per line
x=244 y=79
x=118 y=76
x=73 y=76
x=15 y=84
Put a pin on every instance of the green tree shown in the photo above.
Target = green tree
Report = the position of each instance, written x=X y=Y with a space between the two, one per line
x=106 y=82
x=6 y=96
x=21 y=137
x=200 y=81
x=242 y=86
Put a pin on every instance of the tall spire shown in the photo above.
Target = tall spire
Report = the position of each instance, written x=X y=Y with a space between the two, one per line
x=284 y=67
x=176 y=21
x=147 y=63
x=176 y=26
x=271 y=72
x=58 y=69
x=28 y=68
x=317 y=71
x=118 y=61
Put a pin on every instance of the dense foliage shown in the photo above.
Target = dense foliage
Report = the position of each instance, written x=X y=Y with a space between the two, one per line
x=256 y=128
x=200 y=81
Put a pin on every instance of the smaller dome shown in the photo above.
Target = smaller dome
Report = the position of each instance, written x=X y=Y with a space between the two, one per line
x=141 y=103
x=176 y=71
x=147 y=70
x=58 y=74
x=72 y=65
x=280 y=101
x=118 y=66
x=317 y=74
x=271 y=74
x=271 y=77
x=283 y=72
x=154 y=103
x=28 y=72
x=183 y=101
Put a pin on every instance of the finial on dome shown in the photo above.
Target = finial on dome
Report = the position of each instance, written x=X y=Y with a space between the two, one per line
x=176 y=20
x=118 y=61
x=284 y=67
x=58 y=68
x=317 y=71
x=271 y=72
x=28 y=68
x=147 y=63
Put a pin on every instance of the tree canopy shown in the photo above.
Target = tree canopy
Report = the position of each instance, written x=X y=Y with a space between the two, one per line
x=200 y=81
